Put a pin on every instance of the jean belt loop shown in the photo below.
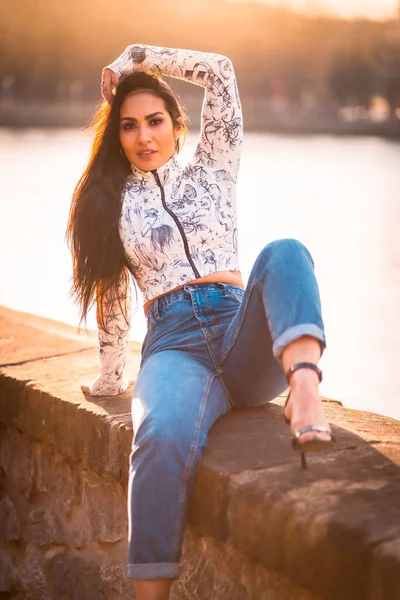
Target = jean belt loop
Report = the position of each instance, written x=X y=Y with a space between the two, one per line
x=223 y=286
x=154 y=309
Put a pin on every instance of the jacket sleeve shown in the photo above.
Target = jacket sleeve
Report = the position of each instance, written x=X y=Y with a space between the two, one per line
x=222 y=123
x=113 y=347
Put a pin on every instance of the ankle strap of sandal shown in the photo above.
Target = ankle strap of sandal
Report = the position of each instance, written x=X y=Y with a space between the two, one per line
x=303 y=365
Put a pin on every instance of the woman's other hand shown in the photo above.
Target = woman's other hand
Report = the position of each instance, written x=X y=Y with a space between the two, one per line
x=109 y=79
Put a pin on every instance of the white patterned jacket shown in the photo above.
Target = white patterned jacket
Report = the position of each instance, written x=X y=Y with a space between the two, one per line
x=177 y=224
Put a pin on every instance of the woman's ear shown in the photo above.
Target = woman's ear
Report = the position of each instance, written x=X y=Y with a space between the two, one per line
x=178 y=125
x=177 y=133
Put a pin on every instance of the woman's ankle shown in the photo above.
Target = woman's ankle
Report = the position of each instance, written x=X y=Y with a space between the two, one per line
x=152 y=589
x=304 y=378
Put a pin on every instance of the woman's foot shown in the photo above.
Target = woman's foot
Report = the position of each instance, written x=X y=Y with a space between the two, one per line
x=305 y=407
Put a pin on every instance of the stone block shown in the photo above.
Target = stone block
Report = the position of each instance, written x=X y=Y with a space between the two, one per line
x=7 y=580
x=103 y=454
x=74 y=578
x=385 y=572
x=208 y=508
x=9 y=523
x=31 y=576
x=18 y=461
x=77 y=528
x=57 y=478
x=44 y=528
x=113 y=575
x=105 y=506
x=217 y=571
x=77 y=538
x=125 y=436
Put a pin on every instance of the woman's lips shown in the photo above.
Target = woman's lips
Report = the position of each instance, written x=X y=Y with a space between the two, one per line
x=147 y=154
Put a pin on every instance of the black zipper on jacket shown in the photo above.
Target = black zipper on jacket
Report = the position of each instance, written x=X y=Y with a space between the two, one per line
x=178 y=224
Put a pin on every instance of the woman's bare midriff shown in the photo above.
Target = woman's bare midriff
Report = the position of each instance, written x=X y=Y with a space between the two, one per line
x=233 y=277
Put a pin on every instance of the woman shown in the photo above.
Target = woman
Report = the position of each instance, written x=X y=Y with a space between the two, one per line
x=211 y=344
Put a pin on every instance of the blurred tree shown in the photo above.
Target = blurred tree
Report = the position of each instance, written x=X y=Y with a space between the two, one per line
x=46 y=46
x=351 y=79
x=389 y=66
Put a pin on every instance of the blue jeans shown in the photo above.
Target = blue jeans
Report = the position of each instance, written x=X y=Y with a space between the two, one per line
x=208 y=348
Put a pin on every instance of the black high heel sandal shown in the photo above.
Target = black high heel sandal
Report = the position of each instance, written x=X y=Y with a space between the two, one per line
x=313 y=445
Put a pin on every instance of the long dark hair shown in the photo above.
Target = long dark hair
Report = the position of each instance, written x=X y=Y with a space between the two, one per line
x=100 y=265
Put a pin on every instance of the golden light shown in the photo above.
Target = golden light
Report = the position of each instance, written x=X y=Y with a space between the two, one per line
x=373 y=9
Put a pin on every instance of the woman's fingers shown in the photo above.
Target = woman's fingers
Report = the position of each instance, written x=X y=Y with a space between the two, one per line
x=109 y=79
x=86 y=391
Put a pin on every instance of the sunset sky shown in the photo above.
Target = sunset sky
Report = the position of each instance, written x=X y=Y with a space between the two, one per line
x=378 y=9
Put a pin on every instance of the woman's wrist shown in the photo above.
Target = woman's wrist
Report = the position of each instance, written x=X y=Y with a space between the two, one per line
x=123 y=65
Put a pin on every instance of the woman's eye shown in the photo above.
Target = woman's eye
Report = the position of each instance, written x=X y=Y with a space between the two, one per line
x=127 y=126
x=156 y=121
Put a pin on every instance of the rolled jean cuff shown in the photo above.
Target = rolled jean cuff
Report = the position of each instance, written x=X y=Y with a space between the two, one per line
x=152 y=571
x=296 y=332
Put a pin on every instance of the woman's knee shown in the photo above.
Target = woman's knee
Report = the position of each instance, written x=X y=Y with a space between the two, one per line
x=160 y=434
x=284 y=248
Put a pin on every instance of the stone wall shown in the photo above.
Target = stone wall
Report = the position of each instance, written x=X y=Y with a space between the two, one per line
x=63 y=536
x=259 y=527
x=62 y=528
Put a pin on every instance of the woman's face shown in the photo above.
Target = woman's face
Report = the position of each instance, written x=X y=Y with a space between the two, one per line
x=146 y=131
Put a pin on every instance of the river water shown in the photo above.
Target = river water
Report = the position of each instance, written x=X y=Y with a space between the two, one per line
x=339 y=196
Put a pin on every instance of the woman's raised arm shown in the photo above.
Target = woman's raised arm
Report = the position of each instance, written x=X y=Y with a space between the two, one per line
x=222 y=123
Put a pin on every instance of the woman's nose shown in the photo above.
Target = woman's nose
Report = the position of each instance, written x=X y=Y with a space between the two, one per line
x=144 y=135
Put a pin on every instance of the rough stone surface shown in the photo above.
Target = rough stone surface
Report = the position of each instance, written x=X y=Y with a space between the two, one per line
x=77 y=528
x=18 y=461
x=125 y=435
x=56 y=477
x=32 y=577
x=74 y=578
x=385 y=572
x=9 y=523
x=319 y=530
x=7 y=580
x=42 y=396
x=27 y=337
x=210 y=570
x=43 y=527
x=77 y=538
x=113 y=576
x=105 y=505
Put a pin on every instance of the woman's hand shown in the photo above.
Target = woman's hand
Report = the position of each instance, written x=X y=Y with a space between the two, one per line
x=85 y=389
x=88 y=391
x=109 y=79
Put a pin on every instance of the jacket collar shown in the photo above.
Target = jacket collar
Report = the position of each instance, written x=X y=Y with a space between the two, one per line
x=167 y=172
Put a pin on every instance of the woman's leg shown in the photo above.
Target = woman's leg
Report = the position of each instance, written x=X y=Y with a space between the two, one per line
x=278 y=324
x=176 y=400
x=152 y=589
x=305 y=406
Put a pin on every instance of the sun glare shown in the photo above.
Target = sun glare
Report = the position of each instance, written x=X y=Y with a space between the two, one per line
x=374 y=9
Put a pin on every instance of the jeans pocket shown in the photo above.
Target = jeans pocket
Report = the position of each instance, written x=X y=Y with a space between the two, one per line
x=235 y=292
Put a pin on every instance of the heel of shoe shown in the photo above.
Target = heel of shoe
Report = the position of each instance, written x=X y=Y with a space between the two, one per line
x=315 y=444
x=284 y=416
